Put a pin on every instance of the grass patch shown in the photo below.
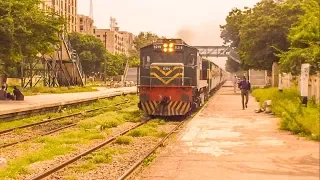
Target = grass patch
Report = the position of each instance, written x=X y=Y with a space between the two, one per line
x=124 y=140
x=91 y=161
x=149 y=129
x=54 y=90
x=100 y=103
x=294 y=116
x=149 y=160
x=70 y=177
x=19 y=165
x=84 y=133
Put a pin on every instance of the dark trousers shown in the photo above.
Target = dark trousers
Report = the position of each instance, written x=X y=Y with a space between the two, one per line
x=244 y=93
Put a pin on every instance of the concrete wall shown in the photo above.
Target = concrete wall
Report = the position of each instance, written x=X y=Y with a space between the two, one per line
x=258 y=78
x=132 y=74
x=314 y=84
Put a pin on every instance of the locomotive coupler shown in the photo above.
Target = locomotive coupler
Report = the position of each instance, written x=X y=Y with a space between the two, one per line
x=165 y=100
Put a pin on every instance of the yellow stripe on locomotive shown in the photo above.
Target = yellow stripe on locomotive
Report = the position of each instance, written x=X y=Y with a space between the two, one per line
x=166 y=73
x=173 y=108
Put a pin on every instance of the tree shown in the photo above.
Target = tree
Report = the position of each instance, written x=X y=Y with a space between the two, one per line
x=230 y=32
x=142 y=40
x=27 y=30
x=232 y=66
x=115 y=64
x=264 y=33
x=260 y=32
x=91 y=50
x=304 y=40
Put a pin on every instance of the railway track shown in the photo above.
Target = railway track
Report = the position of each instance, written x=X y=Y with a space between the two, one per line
x=48 y=121
x=108 y=142
x=53 y=108
x=135 y=166
x=75 y=158
x=129 y=172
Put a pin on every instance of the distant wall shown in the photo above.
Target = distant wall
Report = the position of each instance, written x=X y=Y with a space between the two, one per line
x=258 y=78
x=314 y=84
x=132 y=74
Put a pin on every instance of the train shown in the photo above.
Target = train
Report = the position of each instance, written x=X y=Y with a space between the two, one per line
x=173 y=79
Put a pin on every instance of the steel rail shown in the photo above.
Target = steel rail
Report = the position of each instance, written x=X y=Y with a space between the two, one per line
x=72 y=160
x=137 y=164
x=54 y=119
x=44 y=134
x=55 y=130
x=129 y=172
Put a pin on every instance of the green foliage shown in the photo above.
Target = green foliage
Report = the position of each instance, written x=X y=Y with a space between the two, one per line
x=265 y=32
x=91 y=50
x=115 y=64
x=58 y=90
x=232 y=66
x=67 y=141
x=230 y=32
x=142 y=40
x=124 y=140
x=26 y=30
x=294 y=117
x=149 y=160
x=149 y=129
x=260 y=32
x=305 y=40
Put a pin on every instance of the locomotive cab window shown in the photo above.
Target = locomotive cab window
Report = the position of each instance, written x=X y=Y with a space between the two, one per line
x=146 y=62
x=191 y=60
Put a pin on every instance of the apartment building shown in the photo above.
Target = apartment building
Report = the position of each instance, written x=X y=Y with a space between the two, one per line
x=127 y=41
x=116 y=42
x=85 y=24
x=65 y=8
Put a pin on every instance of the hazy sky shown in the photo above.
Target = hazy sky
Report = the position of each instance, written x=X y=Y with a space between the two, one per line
x=198 y=19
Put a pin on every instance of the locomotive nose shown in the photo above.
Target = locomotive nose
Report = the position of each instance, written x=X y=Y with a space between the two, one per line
x=165 y=99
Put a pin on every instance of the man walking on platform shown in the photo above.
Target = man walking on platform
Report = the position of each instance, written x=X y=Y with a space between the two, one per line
x=245 y=87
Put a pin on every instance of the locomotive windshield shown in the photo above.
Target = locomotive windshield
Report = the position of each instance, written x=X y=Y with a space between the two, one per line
x=168 y=57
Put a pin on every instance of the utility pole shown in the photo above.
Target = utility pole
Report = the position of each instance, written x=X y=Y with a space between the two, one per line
x=105 y=59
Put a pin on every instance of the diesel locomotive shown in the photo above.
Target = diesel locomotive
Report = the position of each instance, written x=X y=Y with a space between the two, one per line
x=173 y=78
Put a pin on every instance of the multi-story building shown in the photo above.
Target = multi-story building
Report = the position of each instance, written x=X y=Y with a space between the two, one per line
x=127 y=41
x=85 y=24
x=65 y=8
x=116 y=42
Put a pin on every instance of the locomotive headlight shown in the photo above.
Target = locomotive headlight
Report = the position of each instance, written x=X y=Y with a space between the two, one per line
x=170 y=49
x=165 y=49
x=165 y=45
x=171 y=45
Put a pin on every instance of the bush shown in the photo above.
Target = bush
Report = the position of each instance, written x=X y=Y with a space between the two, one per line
x=124 y=140
x=294 y=116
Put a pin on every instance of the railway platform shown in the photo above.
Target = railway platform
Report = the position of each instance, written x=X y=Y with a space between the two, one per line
x=51 y=100
x=227 y=143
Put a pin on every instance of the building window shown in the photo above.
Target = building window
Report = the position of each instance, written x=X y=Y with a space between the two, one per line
x=98 y=36
x=81 y=27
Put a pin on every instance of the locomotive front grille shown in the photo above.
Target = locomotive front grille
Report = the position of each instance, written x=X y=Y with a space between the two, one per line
x=167 y=74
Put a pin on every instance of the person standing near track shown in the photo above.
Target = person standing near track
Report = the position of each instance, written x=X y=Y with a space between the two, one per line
x=235 y=82
x=245 y=88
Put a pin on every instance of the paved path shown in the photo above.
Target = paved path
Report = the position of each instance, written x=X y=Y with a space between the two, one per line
x=224 y=142
x=46 y=100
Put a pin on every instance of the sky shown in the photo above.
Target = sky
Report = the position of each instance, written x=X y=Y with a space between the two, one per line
x=195 y=21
